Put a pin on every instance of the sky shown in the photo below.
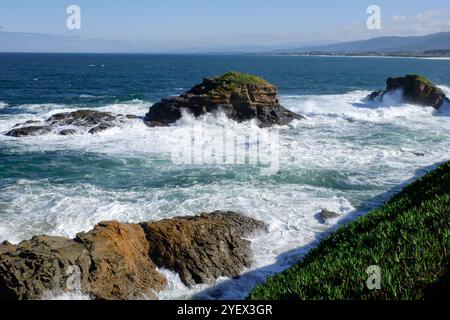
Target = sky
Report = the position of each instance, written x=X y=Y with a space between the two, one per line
x=171 y=25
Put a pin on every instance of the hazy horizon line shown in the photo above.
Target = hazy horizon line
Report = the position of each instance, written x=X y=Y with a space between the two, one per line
x=72 y=41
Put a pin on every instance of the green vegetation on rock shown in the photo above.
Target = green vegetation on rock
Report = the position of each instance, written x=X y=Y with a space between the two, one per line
x=239 y=78
x=422 y=79
x=408 y=238
x=233 y=82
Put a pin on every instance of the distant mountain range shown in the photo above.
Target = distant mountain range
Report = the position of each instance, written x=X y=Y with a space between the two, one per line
x=434 y=43
x=69 y=43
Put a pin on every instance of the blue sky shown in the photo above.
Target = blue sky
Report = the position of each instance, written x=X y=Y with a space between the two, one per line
x=232 y=23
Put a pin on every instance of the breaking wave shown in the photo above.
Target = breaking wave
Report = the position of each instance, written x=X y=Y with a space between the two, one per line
x=348 y=156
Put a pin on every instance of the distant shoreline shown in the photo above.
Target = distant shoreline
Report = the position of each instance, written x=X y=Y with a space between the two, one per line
x=276 y=54
x=443 y=56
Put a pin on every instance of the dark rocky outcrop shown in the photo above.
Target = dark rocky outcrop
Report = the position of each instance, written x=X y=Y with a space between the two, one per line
x=32 y=268
x=81 y=118
x=112 y=261
x=29 y=131
x=326 y=215
x=240 y=96
x=201 y=249
x=375 y=95
x=416 y=90
x=67 y=132
x=119 y=260
x=67 y=123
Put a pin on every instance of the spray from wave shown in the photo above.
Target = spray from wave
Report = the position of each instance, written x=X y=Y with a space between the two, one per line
x=67 y=296
x=354 y=107
x=342 y=158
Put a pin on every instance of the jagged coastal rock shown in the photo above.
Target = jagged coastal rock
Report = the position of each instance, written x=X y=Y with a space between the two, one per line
x=326 y=215
x=240 y=96
x=67 y=123
x=416 y=90
x=203 y=248
x=117 y=261
x=111 y=261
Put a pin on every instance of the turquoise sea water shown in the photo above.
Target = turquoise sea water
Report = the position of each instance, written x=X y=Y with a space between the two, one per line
x=348 y=156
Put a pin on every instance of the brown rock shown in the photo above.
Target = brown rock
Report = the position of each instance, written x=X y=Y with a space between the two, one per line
x=202 y=248
x=120 y=266
x=67 y=132
x=326 y=215
x=241 y=97
x=38 y=266
x=118 y=260
x=112 y=260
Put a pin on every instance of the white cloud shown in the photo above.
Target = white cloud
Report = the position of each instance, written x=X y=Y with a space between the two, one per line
x=428 y=22
x=423 y=23
x=398 y=18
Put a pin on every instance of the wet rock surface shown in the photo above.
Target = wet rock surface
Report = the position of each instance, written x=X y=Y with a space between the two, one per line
x=201 y=249
x=34 y=267
x=326 y=215
x=120 y=267
x=415 y=90
x=117 y=261
x=240 y=96
x=70 y=123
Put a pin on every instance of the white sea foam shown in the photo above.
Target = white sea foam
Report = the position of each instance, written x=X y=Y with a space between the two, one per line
x=3 y=104
x=175 y=289
x=445 y=89
x=354 y=107
x=77 y=296
x=342 y=158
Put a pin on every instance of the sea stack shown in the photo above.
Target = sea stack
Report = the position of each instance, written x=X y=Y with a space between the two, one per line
x=240 y=96
x=416 y=90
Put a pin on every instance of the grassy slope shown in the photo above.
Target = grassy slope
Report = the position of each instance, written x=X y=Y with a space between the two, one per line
x=409 y=238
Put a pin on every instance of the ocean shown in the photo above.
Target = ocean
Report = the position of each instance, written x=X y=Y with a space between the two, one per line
x=348 y=156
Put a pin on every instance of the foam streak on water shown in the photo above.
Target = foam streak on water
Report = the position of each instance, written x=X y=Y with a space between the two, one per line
x=348 y=156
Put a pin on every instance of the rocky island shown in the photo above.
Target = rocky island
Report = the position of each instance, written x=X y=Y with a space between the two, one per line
x=117 y=261
x=416 y=90
x=240 y=96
